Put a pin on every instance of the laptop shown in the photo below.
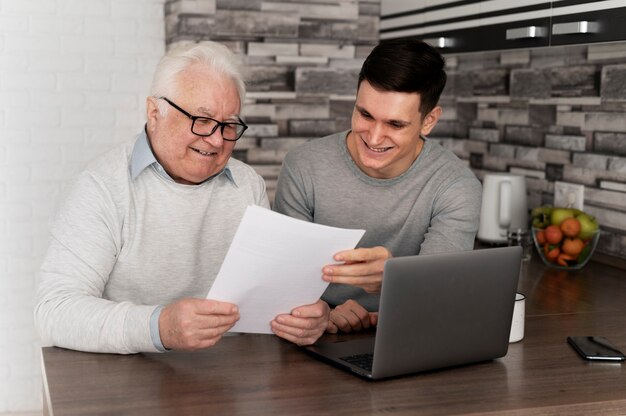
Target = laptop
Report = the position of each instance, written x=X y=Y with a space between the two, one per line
x=436 y=311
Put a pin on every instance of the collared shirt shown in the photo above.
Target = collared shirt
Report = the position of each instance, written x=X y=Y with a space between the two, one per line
x=142 y=158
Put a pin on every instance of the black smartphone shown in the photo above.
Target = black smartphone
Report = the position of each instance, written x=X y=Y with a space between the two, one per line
x=596 y=349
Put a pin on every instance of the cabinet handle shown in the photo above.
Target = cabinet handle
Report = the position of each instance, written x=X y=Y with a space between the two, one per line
x=440 y=42
x=526 y=32
x=573 y=28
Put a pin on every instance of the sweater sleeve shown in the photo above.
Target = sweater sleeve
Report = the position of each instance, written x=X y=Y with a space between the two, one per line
x=70 y=310
x=455 y=217
x=262 y=199
x=291 y=195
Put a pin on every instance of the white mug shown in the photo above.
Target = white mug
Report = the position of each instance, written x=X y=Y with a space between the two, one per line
x=517 y=324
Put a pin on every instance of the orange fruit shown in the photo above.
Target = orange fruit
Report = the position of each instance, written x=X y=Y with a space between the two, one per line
x=553 y=234
x=553 y=254
x=541 y=237
x=572 y=246
x=570 y=227
x=563 y=258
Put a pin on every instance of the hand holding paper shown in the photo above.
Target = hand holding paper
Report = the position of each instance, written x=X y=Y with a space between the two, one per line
x=274 y=265
x=304 y=325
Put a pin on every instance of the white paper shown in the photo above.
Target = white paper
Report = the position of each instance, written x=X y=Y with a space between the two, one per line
x=274 y=265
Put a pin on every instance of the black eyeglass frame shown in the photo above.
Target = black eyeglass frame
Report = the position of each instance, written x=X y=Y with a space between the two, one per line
x=219 y=124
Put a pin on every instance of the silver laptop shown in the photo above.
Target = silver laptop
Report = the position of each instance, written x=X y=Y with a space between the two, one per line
x=436 y=311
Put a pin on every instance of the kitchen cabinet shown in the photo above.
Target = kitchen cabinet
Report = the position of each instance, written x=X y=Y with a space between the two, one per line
x=504 y=24
x=589 y=25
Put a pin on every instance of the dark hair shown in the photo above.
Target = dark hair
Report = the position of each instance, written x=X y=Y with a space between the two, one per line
x=406 y=65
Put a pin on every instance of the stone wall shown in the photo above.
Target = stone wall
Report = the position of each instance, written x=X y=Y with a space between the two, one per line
x=303 y=59
x=550 y=114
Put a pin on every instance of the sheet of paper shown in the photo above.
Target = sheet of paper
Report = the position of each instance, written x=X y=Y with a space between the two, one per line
x=274 y=264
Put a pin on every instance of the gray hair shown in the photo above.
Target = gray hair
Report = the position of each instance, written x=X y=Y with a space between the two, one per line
x=212 y=54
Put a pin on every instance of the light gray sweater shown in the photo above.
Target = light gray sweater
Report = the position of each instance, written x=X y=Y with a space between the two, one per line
x=121 y=246
x=432 y=207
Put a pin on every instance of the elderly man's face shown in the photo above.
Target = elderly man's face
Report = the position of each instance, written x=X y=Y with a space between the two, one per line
x=188 y=158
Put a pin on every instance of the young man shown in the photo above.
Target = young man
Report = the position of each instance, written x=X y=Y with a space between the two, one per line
x=142 y=232
x=410 y=195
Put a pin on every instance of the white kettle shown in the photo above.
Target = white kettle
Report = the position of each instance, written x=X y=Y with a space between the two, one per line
x=504 y=207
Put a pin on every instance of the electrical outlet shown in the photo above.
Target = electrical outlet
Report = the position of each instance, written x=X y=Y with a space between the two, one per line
x=570 y=195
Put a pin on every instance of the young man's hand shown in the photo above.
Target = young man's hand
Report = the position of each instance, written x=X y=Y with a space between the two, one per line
x=351 y=316
x=362 y=267
x=304 y=325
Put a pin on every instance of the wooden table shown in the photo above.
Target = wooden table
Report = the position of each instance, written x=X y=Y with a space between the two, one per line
x=260 y=374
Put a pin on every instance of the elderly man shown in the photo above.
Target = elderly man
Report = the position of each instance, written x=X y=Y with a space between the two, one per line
x=141 y=234
x=410 y=194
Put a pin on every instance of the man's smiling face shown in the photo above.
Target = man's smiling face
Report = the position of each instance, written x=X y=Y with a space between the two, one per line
x=188 y=158
x=386 y=129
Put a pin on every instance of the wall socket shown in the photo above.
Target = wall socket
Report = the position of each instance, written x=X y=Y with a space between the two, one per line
x=570 y=195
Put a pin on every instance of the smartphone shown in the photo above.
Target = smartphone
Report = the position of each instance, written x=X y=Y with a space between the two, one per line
x=596 y=349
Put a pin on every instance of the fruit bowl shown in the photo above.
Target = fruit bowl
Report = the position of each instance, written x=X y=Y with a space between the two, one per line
x=565 y=238
x=576 y=262
x=550 y=256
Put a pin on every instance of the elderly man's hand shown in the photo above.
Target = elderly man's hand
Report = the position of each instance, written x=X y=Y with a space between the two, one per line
x=363 y=267
x=304 y=325
x=193 y=324
x=351 y=316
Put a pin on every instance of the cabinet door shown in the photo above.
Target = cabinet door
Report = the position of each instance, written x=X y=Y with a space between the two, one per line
x=397 y=17
x=465 y=26
x=450 y=23
x=512 y=24
x=472 y=25
x=435 y=21
x=591 y=22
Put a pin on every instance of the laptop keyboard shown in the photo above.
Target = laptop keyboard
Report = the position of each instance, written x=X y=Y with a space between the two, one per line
x=363 y=361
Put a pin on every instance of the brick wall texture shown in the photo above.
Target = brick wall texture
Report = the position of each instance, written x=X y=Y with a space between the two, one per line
x=73 y=80
x=302 y=57
x=551 y=114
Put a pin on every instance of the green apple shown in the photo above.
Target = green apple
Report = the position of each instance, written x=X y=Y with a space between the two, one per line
x=559 y=214
x=539 y=211
x=541 y=216
x=588 y=226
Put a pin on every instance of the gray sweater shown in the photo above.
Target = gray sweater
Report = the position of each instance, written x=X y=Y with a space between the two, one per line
x=122 y=246
x=432 y=207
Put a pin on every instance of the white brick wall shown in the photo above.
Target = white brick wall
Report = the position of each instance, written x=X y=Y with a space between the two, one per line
x=73 y=79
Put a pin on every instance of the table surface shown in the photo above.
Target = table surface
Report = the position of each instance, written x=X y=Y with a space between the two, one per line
x=261 y=374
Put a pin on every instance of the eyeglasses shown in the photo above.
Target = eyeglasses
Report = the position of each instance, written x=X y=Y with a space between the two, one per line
x=206 y=126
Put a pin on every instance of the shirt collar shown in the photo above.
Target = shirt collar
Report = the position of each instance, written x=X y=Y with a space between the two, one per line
x=143 y=157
